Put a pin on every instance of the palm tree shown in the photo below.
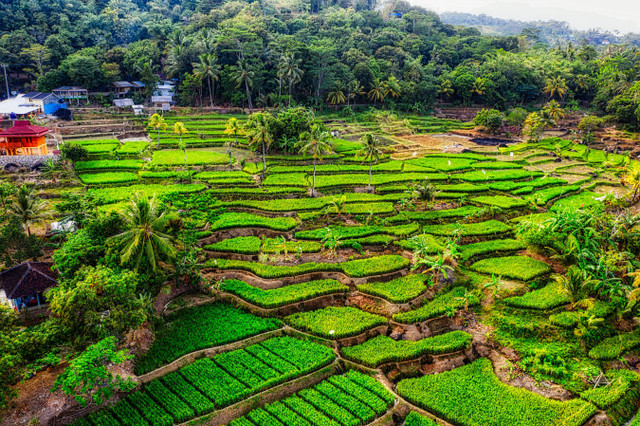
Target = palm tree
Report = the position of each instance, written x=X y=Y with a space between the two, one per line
x=377 y=92
x=574 y=283
x=243 y=76
x=207 y=69
x=553 y=110
x=371 y=151
x=174 y=60
x=316 y=142
x=336 y=96
x=230 y=145
x=179 y=129
x=291 y=69
x=354 y=88
x=425 y=191
x=258 y=135
x=51 y=169
x=392 y=87
x=158 y=123
x=28 y=208
x=233 y=128
x=446 y=88
x=145 y=235
x=556 y=86
x=479 y=86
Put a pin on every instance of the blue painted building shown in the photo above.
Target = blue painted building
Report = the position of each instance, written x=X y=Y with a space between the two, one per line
x=48 y=102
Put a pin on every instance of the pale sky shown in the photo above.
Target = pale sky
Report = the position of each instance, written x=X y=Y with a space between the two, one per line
x=621 y=15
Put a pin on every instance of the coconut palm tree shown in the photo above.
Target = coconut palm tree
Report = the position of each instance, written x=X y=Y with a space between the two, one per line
x=336 y=96
x=233 y=128
x=145 y=236
x=556 y=86
x=425 y=191
x=244 y=77
x=370 y=151
x=291 y=70
x=392 y=87
x=574 y=283
x=446 y=89
x=258 y=135
x=157 y=122
x=28 y=208
x=179 y=129
x=51 y=169
x=553 y=110
x=354 y=88
x=315 y=142
x=206 y=68
x=377 y=92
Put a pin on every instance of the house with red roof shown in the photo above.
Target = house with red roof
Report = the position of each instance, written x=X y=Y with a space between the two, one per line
x=23 y=138
x=23 y=285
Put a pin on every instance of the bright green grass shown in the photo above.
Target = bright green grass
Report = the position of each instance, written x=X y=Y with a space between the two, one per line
x=247 y=220
x=548 y=297
x=487 y=247
x=517 y=267
x=501 y=201
x=585 y=199
x=443 y=303
x=489 y=227
x=108 y=178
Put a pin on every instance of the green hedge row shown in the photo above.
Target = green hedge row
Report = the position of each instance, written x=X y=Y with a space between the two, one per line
x=335 y=322
x=175 y=157
x=284 y=295
x=383 y=349
x=489 y=227
x=472 y=395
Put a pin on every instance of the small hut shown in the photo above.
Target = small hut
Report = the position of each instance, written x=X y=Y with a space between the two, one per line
x=23 y=286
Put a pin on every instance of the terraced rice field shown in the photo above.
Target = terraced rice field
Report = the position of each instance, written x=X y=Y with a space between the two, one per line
x=347 y=307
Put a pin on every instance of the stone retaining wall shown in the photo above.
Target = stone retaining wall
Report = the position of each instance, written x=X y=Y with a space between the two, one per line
x=24 y=160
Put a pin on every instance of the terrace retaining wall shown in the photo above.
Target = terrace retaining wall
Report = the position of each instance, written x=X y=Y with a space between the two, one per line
x=24 y=160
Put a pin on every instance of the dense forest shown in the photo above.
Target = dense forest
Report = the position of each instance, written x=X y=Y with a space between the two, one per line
x=308 y=53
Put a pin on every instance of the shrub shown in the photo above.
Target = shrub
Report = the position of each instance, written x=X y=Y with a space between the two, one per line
x=284 y=295
x=192 y=329
x=335 y=322
x=383 y=349
x=490 y=119
x=473 y=395
x=443 y=303
x=400 y=290
x=521 y=268
x=548 y=297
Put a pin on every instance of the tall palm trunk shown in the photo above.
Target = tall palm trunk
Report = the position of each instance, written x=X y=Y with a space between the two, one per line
x=185 y=152
x=264 y=159
x=246 y=88
x=210 y=91
x=313 y=184
x=370 y=169
x=290 y=84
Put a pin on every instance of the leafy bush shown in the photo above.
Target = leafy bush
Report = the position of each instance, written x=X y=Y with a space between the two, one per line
x=521 y=268
x=284 y=295
x=490 y=119
x=248 y=220
x=192 y=329
x=335 y=322
x=494 y=246
x=400 y=290
x=383 y=349
x=548 y=297
x=473 y=395
x=442 y=304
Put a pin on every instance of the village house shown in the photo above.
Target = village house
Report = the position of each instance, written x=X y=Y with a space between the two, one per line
x=31 y=104
x=69 y=93
x=127 y=88
x=23 y=138
x=23 y=285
